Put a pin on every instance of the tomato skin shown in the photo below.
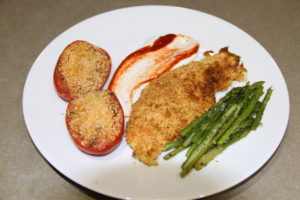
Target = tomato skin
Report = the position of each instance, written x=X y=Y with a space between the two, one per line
x=61 y=84
x=104 y=147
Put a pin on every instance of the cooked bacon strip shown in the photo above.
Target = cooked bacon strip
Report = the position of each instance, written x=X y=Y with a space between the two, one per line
x=148 y=63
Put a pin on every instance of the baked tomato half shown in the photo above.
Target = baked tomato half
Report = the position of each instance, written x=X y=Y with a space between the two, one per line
x=81 y=67
x=95 y=122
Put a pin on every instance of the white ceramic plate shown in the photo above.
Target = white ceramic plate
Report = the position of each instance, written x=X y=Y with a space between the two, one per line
x=121 y=32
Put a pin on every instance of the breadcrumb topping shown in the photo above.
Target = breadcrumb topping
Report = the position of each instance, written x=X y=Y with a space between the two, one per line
x=96 y=116
x=84 y=67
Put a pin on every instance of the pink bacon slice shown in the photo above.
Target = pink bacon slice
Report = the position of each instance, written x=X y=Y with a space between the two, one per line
x=148 y=63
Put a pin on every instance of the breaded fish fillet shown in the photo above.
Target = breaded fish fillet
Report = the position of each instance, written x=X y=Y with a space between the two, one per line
x=172 y=101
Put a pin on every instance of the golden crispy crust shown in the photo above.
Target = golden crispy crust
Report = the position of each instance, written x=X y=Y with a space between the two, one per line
x=95 y=120
x=81 y=67
x=176 y=98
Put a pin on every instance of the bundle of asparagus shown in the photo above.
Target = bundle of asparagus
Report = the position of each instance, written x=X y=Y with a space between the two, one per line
x=229 y=120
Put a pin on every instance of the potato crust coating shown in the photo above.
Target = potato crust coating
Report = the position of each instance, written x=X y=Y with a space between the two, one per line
x=172 y=101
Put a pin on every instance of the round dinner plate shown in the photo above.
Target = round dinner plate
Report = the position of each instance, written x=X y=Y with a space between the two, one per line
x=117 y=174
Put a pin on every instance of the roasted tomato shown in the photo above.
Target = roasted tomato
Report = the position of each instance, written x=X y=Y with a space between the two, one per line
x=95 y=122
x=81 y=67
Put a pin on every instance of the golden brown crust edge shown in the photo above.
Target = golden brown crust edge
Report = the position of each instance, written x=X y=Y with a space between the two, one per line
x=81 y=67
x=211 y=67
x=95 y=122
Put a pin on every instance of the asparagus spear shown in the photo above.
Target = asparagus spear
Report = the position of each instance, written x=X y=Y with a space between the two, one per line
x=262 y=108
x=208 y=156
x=174 y=152
x=245 y=112
x=223 y=103
x=201 y=149
x=229 y=96
x=194 y=132
x=188 y=140
x=231 y=119
x=217 y=149
x=250 y=124
x=174 y=144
